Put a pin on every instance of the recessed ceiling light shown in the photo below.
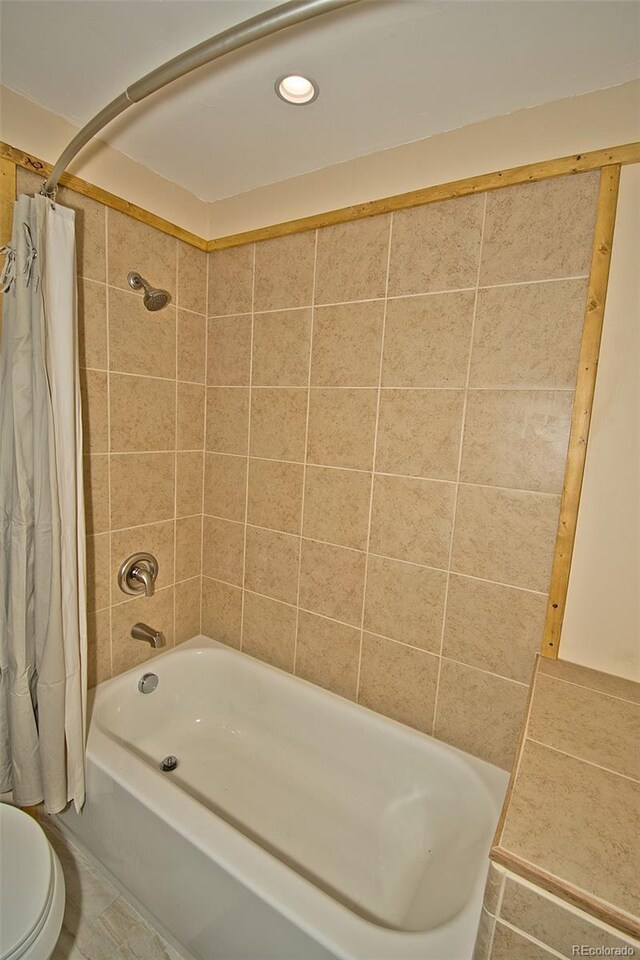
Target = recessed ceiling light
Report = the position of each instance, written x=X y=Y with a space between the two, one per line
x=296 y=89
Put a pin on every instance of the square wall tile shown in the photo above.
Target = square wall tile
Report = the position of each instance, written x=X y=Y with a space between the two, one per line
x=588 y=725
x=187 y=609
x=188 y=547
x=133 y=245
x=225 y=486
x=332 y=581
x=505 y=535
x=142 y=488
x=517 y=438
x=284 y=272
x=189 y=473
x=405 y=602
x=397 y=681
x=192 y=278
x=98 y=647
x=582 y=841
x=221 y=612
x=158 y=610
x=275 y=495
x=427 y=340
x=436 y=246
x=192 y=346
x=92 y=324
x=529 y=335
x=190 y=424
x=229 y=351
x=133 y=346
x=142 y=413
x=281 y=345
x=493 y=627
x=508 y=943
x=540 y=231
x=336 y=506
x=419 y=433
x=328 y=654
x=269 y=630
x=351 y=262
x=278 y=423
x=342 y=426
x=347 y=340
x=223 y=550
x=227 y=420
x=96 y=493
x=230 y=281
x=271 y=565
x=550 y=921
x=95 y=411
x=154 y=538
x=480 y=713
x=412 y=519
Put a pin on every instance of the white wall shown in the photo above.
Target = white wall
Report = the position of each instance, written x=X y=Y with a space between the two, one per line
x=602 y=621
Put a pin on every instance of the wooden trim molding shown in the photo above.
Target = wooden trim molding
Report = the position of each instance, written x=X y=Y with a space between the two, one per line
x=43 y=169
x=582 y=407
x=530 y=173
x=7 y=197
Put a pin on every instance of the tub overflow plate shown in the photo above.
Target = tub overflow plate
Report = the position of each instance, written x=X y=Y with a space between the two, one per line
x=168 y=764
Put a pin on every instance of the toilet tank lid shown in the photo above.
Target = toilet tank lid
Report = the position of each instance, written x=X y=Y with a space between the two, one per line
x=26 y=877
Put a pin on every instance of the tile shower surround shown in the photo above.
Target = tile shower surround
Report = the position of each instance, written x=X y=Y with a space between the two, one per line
x=142 y=378
x=380 y=500
x=388 y=410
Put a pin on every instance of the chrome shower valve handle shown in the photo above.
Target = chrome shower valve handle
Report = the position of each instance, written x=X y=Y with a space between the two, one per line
x=138 y=574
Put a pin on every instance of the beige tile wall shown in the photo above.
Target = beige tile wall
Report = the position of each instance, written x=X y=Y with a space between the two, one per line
x=388 y=407
x=520 y=920
x=142 y=376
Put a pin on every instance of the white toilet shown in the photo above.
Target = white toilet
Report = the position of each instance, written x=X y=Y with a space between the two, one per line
x=31 y=888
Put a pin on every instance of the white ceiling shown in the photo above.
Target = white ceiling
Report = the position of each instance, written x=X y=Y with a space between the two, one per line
x=390 y=72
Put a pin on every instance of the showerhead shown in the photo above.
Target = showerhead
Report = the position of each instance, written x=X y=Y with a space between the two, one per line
x=154 y=299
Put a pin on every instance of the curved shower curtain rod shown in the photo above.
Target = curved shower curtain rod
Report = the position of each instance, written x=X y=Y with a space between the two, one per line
x=262 y=25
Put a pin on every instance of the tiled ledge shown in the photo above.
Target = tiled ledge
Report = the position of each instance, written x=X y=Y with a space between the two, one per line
x=571 y=820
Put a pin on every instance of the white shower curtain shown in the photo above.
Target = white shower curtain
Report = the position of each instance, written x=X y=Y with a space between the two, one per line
x=43 y=632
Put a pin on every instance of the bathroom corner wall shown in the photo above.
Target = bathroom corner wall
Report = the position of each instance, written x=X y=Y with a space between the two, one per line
x=142 y=379
x=521 y=920
x=388 y=409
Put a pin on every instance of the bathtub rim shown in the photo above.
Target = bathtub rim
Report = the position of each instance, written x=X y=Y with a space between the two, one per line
x=332 y=924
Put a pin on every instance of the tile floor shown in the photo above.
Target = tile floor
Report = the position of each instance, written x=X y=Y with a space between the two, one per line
x=99 y=922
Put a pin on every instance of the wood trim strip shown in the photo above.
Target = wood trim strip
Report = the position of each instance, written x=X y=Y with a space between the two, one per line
x=43 y=169
x=582 y=407
x=600 y=909
x=530 y=173
x=7 y=198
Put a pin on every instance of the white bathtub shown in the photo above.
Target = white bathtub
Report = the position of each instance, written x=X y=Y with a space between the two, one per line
x=296 y=825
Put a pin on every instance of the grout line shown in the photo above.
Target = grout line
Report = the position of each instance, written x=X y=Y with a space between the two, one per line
x=375 y=454
x=204 y=443
x=355 y=626
x=108 y=325
x=404 y=296
x=175 y=452
x=529 y=938
x=459 y=470
x=387 y=388
x=583 y=686
x=382 y=556
x=305 y=463
x=247 y=458
x=573 y=756
x=378 y=473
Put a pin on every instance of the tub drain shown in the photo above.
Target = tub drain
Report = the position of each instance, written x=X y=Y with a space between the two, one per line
x=168 y=764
